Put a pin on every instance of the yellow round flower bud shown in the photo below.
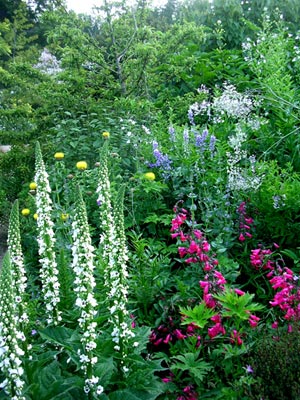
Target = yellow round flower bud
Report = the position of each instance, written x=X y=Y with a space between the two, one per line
x=150 y=176
x=81 y=165
x=35 y=216
x=64 y=217
x=59 y=156
x=32 y=185
x=25 y=212
x=106 y=135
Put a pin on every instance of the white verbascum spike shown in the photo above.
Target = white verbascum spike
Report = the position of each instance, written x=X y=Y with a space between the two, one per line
x=46 y=242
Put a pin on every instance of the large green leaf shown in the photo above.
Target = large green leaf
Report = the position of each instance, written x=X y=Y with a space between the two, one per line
x=190 y=362
x=60 y=335
x=132 y=394
x=104 y=370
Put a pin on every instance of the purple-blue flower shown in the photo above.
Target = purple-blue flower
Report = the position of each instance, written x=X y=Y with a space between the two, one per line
x=162 y=160
x=249 y=369
x=191 y=116
x=200 y=140
x=172 y=133
x=212 y=144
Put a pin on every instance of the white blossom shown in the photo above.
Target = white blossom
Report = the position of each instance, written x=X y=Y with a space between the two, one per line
x=48 y=63
x=83 y=267
x=114 y=254
x=46 y=242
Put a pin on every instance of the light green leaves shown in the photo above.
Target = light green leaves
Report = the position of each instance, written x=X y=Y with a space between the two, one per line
x=199 y=315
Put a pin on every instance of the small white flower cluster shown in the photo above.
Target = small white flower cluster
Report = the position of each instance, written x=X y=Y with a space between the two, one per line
x=10 y=351
x=46 y=242
x=17 y=263
x=296 y=49
x=114 y=255
x=91 y=383
x=48 y=63
x=241 y=178
x=232 y=103
x=200 y=108
x=278 y=201
x=84 y=284
x=135 y=134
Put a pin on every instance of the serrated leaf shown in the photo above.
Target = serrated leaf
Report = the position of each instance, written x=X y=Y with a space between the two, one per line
x=199 y=315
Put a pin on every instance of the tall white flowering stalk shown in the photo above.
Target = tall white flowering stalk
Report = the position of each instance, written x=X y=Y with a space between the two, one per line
x=84 y=284
x=242 y=178
x=114 y=257
x=19 y=277
x=10 y=351
x=46 y=242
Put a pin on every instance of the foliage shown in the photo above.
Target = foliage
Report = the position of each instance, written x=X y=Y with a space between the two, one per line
x=274 y=363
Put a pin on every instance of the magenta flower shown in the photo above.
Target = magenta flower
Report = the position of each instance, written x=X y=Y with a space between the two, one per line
x=217 y=329
x=239 y=292
x=242 y=238
x=179 y=334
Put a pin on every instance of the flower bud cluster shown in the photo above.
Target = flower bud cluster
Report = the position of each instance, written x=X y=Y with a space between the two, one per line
x=245 y=223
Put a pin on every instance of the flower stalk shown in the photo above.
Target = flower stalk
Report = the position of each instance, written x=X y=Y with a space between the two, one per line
x=19 y=277
x=84 y=284
x=46 y=242
x=114 y=256
x=10 y=351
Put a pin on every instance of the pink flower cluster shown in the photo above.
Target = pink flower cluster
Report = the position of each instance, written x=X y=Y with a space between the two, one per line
x=282 y=279
x=245 y=223
x=188 y=394
x=188 y=391
x=196 y=250
x=168 y=333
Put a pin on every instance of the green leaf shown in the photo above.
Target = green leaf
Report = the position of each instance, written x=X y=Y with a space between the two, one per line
x=60 y=335
x=235 y=305
x=104 y=369
x=132 y=394
x=199 y=315
x=190 y=362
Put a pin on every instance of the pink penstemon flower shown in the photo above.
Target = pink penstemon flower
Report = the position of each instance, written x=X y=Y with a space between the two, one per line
x=245 y=223
x=282 y=279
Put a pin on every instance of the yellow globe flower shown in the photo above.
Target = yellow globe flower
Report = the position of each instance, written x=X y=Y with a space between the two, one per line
x=35 y=216
x=150 y=176
x=25 y=212
x=64 y=217
x=106 y=135
x=81 y=165
x=59 y=156
x=32 y=185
